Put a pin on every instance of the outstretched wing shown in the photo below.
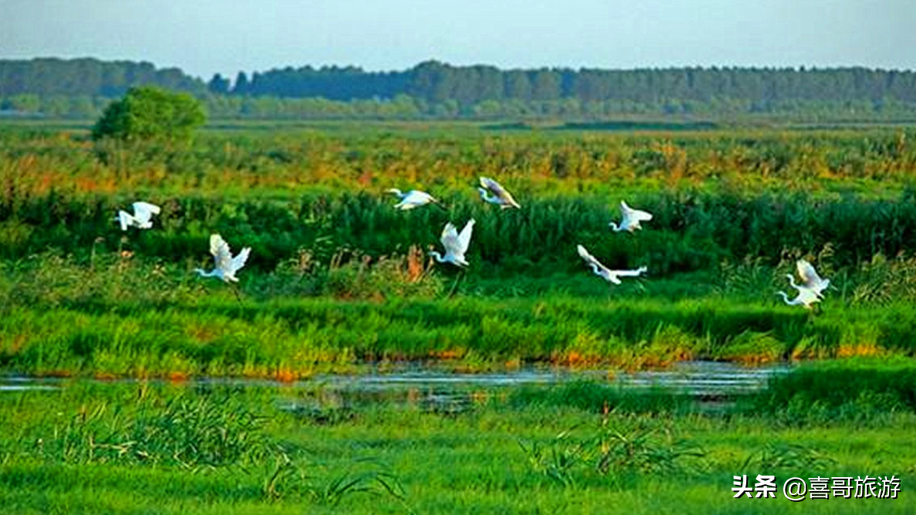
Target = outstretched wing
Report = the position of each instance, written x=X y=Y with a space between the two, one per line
x=449 y=237
x=221 y=253
x=596 y=265
x=125 y=219
x=464 y=239
x=809 y=276
x=492 y=185
x=590 y=259
x=498 y=190
x=634 y=215
x=143 y=211
x=240 y=260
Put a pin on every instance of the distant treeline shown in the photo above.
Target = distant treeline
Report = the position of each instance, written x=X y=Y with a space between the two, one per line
x=88 y=77
x=436 y=82
x=59 y=87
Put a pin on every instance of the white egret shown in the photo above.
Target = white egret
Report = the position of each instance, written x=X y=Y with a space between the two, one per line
x=603 y=271
x=455 y=244
x=810 y=279
x=412 y=199
x=630 y=218
x=500 y=196
x=806 y=297
x=226 y=265
x=142 y=217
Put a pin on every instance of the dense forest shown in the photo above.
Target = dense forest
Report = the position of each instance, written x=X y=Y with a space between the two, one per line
x=81 y=87
x=90 y=77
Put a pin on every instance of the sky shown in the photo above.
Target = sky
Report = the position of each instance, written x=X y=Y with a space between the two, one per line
x=203 y=37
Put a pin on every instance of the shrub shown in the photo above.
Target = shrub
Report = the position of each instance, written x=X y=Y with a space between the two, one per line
x=150 y=113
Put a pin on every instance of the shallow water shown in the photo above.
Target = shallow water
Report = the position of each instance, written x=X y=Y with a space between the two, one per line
x=699 y=378
x=21 y=384
x=451 y=392
x=693 y=377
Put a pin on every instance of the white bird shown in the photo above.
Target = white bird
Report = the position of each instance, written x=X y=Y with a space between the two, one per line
x=806 y=297
x=412 y=199
x=142 y=217
x=630 y=218
x=226 y=265
x=603 y=271
x=455 y=244
x=810 y=279
x=500 y=196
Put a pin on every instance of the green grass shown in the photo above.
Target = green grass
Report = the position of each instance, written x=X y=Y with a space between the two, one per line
x=716 y=195
x=130 y=316
x=338 y=279
x=846 y=387
x=497 y=456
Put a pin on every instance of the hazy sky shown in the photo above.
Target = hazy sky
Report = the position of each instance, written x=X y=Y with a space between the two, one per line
x=208 y=36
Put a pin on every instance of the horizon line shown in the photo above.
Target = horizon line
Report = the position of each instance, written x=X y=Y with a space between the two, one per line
x=796 y=68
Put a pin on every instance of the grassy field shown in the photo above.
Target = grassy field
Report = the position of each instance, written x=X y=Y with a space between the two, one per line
x=337 y=277
x=339 y=281
x=579 y=448
x=129 y=317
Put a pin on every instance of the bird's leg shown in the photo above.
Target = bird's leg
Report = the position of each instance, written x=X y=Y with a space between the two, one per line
x=235 y=290
x=455 y=285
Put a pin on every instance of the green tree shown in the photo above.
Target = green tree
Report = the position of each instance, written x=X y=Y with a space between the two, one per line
x=545 y=85
x=218 y=85
x=149 y=112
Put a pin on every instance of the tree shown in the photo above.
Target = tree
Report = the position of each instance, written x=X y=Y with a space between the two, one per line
x=545 y=84
x=241 y=84
x=149 y=112
x=517 y=85
x=218 y=85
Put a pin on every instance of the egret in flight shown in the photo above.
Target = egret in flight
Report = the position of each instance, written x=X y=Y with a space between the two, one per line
x=455 y=244
x=500 y=196
x=226 y=265
x=630 y=218
x=412 y=199
x=806 y=297
x=142 y=217
x=600 y=270
x=810 y=279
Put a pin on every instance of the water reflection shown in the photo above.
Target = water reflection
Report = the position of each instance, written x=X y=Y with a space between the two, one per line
x=692 y=377
x=23 y=384
x=418 y=382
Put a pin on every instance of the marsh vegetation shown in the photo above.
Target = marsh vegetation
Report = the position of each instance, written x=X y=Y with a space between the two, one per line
x=339 y=280
x=581 y=446
x=337 y=276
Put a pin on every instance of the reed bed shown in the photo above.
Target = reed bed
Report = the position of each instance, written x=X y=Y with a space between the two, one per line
x=126 y=317
x=338 y=277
